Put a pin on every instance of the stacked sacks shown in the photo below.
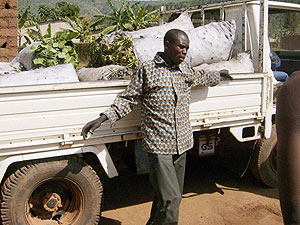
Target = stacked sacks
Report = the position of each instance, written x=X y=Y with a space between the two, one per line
x=211 y=43
x=148 y=41
x=208 y=44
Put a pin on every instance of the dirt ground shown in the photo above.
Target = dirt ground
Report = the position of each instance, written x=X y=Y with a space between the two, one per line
x=213 y=195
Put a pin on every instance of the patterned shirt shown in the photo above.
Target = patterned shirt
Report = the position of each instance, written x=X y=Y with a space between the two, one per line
x=164 y=93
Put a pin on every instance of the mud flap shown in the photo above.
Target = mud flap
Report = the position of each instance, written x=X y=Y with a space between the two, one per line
x=236 y=155
x=104 y=158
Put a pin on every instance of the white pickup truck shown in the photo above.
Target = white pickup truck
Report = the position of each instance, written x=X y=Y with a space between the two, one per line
x=49 y=173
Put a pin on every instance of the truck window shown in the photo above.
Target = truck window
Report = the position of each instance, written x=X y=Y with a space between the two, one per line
x=212 y=15
x=284 y=29
x=284 y=37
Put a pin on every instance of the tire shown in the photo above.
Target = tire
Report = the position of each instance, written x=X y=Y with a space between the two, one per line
x=52 y=191
x=264 y=160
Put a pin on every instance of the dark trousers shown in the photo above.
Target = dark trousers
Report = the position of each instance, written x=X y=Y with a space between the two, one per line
x=167 y=179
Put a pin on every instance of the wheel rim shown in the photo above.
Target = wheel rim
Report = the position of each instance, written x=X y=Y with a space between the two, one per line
x=55 y=201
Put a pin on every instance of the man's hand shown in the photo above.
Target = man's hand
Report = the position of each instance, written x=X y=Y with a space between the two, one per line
x=225 y=74
x=92 y=125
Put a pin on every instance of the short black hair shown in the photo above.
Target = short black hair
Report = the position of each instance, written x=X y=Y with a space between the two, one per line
x=172 y=35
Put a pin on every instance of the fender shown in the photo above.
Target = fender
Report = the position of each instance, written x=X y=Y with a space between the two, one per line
x=99 y=150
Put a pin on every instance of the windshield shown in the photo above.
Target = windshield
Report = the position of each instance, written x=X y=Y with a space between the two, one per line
x=284 y=37
x=284 y=29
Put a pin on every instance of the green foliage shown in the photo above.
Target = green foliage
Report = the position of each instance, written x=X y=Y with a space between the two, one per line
x=59 y=49
x=54 y=51
x=83 y=26
x=141 y=18
x=47 y=13
x=283 y=24
x=24 y=15
x=60 y=11
x=119 y=52
x=127 y=17
x=67 y=10
x=24 y=20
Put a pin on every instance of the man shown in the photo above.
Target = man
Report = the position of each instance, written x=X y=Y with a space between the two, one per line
x=288 y=155
x=163 y=87
x=275 y=63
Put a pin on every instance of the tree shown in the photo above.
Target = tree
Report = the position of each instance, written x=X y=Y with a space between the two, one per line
x=83 y=26
x=67 y=10
x=23 y=21
x=47 y=13
x=127 y=17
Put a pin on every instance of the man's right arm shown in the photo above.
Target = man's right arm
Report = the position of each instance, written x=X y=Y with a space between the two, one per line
x=122 y=105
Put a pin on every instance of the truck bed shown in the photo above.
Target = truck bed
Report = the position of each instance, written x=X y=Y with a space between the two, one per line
x=50 y=117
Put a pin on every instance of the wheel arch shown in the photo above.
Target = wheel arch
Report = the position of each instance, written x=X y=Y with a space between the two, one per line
x=100 y=151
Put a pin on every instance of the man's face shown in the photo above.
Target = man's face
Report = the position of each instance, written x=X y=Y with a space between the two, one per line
x=177 y=50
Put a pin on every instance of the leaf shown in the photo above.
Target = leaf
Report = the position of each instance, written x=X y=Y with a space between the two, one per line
x=72 y=35
x=39 y=61
x=48 y=32
x=61 y=44
x=109 y=29
x=61 y=55
x=23 y=18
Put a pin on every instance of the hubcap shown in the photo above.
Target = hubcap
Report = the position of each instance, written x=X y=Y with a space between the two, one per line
x=59 y=201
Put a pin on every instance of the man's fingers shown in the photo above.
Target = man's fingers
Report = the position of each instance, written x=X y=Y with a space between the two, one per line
x=93 y=129
x=90 y=128
x=85 y=130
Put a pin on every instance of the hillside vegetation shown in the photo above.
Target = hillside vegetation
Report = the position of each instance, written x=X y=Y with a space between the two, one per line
x=92 y=7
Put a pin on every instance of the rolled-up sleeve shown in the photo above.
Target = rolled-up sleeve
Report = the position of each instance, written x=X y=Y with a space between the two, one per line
x=125 y=102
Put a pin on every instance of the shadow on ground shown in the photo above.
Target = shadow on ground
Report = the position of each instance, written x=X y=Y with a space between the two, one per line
x=203 y=175
x=108 y=221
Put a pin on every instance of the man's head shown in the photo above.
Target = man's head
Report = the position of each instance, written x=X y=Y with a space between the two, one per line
x=176 y=45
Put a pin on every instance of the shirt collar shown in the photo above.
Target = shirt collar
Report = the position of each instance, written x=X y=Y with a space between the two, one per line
x=160 y=61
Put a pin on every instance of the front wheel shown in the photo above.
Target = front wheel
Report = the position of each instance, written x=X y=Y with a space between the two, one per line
x=52 y=191
x=264 y=160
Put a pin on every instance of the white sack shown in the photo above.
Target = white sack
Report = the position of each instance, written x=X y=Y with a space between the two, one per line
x=25 y=57
x=148 y=41
x=211 y=43
x=239 y=64
x=55 y=74
x=109 y=72
x=5 y=68
x=208 y=44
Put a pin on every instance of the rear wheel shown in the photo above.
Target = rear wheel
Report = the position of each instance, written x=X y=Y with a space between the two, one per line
x=52 y=191
x=264 y=160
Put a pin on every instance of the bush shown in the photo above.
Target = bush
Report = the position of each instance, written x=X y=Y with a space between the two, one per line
x=119 y=52
x=56 y=50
